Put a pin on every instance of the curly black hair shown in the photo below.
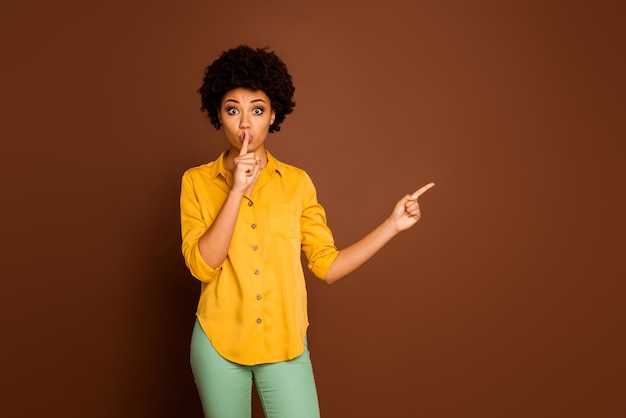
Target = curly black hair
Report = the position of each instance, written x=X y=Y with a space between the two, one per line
x=246 y=67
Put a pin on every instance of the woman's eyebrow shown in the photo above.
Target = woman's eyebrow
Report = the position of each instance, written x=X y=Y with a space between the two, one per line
x=237 y=101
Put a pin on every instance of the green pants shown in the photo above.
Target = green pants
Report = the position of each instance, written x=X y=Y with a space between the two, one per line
x=286 y=389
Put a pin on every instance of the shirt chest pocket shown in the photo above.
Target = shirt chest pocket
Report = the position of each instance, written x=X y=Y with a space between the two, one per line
x=283 y=220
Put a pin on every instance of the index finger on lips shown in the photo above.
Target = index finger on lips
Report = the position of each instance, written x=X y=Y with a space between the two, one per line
x=422 y=190
x=244 y=145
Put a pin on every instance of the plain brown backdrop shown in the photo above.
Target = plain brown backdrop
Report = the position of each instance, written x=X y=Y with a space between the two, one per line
x=506 y=300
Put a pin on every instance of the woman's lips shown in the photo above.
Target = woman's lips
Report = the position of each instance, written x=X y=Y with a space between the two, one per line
x=242 y=136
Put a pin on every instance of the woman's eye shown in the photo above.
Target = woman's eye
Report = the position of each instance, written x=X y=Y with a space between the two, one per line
x=257 y=111
x=231 y=111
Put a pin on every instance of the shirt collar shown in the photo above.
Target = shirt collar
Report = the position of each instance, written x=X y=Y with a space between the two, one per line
x=273 y=165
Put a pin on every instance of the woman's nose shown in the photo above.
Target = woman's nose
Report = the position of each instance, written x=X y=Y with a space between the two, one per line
x=244 y=122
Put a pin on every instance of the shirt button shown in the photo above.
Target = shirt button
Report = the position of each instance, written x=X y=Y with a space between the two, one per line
x=250 y=203
x=257 y=272
x=253 y=226
x=255 y=247
x=259 y=320
x=259 y=297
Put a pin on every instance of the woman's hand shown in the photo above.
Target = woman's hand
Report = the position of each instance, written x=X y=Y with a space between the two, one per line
x=247 y=167
x=406 y=213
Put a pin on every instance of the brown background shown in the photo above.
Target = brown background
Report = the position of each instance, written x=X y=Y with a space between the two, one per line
x=506 y=300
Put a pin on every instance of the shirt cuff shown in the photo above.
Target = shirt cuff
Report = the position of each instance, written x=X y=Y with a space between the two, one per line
x=199 y=268
x=321 y=266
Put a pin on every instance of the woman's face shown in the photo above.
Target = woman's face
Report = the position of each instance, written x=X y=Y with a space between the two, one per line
x=246 y=112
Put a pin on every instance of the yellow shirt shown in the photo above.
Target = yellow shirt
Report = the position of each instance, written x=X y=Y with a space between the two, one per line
x=253 y=307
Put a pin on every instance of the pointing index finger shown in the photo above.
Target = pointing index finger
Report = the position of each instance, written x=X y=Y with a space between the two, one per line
x=244 y=145
x=422 y=190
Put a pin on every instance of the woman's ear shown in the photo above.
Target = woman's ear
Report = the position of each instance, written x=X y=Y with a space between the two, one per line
x=272 y=117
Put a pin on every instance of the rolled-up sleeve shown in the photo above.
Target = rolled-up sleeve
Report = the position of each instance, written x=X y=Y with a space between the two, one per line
x=193 y=226
x=317 y=240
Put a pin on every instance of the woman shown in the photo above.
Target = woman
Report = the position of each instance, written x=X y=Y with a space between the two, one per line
x=246 y=217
